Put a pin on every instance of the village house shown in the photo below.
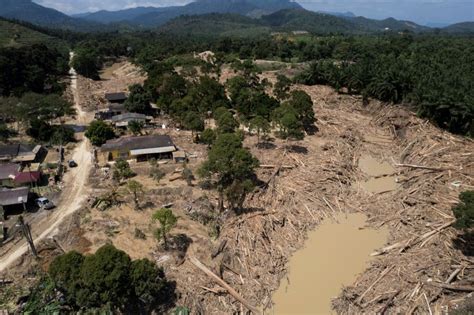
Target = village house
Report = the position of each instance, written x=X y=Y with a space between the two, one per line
x=140 y=148
x=114 y=109
x=16 y=175
x=22 y=153
x=118 y=98
x=121 y=121
x=14 y=197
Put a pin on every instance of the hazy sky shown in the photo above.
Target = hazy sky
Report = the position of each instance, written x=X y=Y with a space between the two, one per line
x=421 y=11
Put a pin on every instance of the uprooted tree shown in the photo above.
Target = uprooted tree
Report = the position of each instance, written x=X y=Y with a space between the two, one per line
x=232 y=167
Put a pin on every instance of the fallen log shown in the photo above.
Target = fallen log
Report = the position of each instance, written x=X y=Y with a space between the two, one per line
x=407 y=244
x=223 y=284
x=383 y=274
x=461 y=288
x=453 y=275
x=284 y=167
x=423 y=167
x=219 y=249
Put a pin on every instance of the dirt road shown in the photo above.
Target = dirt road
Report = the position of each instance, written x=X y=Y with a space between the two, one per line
x=74 y=193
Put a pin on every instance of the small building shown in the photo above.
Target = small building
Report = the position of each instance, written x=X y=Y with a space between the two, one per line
x=114 y=109
x=140 y=148
x=121 y=121
x=22 y=153
x=180 y=157
x=119 y=97
x=15 y=196
x=15 y=175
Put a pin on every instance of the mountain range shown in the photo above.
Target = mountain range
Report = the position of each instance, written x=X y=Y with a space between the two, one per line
x=260 y=15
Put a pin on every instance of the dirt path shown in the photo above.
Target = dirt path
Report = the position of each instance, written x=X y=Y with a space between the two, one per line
x=74 y=193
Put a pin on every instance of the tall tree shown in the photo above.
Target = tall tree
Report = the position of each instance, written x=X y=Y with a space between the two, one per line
x=139 y=100
x=259 y=125
x=229 y=164
x=99 y=132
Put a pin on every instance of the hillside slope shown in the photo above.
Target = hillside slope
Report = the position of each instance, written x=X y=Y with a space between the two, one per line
x=215 y=24
x=460 y=28
x=285 y=21
x=13 y=34
x=150 y=17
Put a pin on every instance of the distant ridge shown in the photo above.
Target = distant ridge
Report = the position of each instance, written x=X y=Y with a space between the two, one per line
x=460 y=28
x=157 y=16
x=265 y=16
x=26 y=10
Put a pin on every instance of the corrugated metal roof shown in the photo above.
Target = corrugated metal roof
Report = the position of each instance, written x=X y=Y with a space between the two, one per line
x=26 y=178
x=8 y=171
x=113 y=97
x=127 y=144
x=14 y=196
x=152 y=151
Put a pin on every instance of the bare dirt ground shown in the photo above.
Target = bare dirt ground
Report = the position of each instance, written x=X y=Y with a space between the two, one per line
x=116 y=78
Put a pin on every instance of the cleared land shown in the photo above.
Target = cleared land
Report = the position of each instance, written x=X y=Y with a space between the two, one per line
x=15 y=35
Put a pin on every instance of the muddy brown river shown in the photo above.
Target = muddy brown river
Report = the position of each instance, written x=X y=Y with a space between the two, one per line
x=334 y=254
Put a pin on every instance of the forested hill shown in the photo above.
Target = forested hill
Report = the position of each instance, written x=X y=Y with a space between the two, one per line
x=460 y=28
x=14 y=34
x=283 y=20
x=151 y=16
x=28 y=11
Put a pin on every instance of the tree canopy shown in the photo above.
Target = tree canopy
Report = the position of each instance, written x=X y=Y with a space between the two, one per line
x=99 y=132
x=108 y=279
x=232 y=167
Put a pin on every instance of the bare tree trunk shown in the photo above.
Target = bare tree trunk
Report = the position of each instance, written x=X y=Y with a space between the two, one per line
x=221 y=201
x=165 y=241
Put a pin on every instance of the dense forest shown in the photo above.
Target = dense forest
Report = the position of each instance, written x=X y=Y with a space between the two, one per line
x=433 y=75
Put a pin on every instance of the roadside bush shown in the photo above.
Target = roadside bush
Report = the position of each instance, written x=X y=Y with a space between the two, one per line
x=122 y=170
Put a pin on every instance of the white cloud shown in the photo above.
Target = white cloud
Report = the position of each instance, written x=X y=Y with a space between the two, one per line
x=76 y=6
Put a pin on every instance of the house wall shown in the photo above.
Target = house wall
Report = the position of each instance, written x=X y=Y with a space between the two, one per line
x=105 y=157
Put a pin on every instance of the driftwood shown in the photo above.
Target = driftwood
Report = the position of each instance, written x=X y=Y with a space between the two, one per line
x=408 y=243
x=219 y=249
x=223 y=284
x=283 y=167
x=453 y=275
x=383 y=274
x=462 y=288
x=423 y=167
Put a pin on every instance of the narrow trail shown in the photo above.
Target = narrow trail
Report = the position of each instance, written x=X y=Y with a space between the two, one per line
x=72 y=196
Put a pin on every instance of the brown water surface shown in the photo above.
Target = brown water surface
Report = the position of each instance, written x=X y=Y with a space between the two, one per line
x=334 y=255
x=382 y=179
x=373 y=167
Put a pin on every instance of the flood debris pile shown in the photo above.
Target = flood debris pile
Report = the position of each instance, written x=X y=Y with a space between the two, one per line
x=317 y=178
